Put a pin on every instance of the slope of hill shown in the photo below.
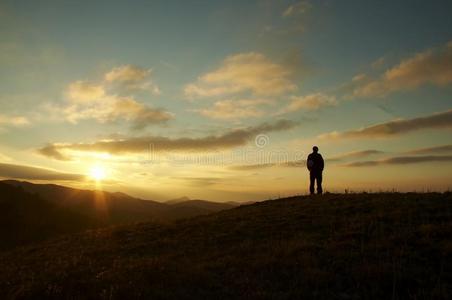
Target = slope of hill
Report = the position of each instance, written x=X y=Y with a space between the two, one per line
x=65 y=210
x=206 y=205
x=26 y=218
x=177 y=200
x=355 y=246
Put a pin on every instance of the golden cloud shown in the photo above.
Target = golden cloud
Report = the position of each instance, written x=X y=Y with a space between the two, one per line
x=287 y=164
x=88 y=100
x=430 y=150
x=35 y=173
x=433 y=66
x=392 y=128
x=310 y=103
x=354 y=154
x=401 y=160
x=15 y=121
x=132 y=77
x=234 y=109
x=113 y=108
x=127 y=73
x=302 y=163
x=229 y=139
x=51 y=150
x=245 y=72
x=82 y=91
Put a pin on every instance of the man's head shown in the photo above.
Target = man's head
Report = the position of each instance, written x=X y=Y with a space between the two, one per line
x=315 y=149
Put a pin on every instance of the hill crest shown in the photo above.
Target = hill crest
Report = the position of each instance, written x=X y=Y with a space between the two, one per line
x=355 y=246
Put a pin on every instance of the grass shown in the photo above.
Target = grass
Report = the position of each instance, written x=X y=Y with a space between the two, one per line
x=349 y=246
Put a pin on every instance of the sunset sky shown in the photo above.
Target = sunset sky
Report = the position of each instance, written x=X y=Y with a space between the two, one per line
x=223 y=100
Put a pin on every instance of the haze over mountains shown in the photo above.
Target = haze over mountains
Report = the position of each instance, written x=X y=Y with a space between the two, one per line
x=31 y=212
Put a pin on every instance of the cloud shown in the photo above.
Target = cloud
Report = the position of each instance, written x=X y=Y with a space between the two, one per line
x=378 y=63
x=127 y=73
x=430 y=150
x=397 y=127
x=246 y=72
x=354 y=154
x=287 y=164
x=250 y=167
x=433 y=66
x=397 y=160
x=400 y=160
x=297 y=9
x=309 y=103
x=87 y=100
x=3 y=157
x=359 y=77
x=229 y=139
x=200 y=181
x=138 y=114
x=34 y=173
x=52 y=151
x=111 y=108
x=85 y=92
x=295 y=17
x=132 y=77
x=234 y=109
x=302 y=163
x=14 y=121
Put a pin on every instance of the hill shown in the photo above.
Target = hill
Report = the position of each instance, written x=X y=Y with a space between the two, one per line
x=26 y=218
x=31 y=212
x=204 y=204
x=208 y=206
x=353 y=246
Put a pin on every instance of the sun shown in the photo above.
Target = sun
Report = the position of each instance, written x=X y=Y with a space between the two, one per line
x=97 y=172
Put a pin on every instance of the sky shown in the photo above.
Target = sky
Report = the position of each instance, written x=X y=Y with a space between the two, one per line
x=224 y=100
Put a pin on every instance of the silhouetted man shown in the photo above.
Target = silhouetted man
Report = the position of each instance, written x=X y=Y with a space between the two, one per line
x=315 y=166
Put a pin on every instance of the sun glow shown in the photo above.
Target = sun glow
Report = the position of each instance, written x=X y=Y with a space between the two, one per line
x=97 y=173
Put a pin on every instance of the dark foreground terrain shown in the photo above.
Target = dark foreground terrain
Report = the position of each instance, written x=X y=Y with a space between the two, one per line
x=354 y=246
x=34 y=212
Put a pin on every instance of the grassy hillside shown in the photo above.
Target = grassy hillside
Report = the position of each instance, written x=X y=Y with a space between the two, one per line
x=355 y=246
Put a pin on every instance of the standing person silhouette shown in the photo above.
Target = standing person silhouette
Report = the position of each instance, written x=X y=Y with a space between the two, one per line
x=315 y=166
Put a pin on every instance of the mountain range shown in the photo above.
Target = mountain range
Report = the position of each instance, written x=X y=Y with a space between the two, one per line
x=31 y=212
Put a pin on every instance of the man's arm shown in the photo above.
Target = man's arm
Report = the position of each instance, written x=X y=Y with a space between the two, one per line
x=322 y=163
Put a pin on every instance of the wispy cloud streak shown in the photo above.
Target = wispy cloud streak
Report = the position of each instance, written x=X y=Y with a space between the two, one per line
x=34 y=173
x=230 y=139
x=401 y=160
x=441 y=120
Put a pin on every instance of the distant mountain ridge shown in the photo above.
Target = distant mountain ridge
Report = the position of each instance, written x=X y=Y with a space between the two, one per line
x=203 y=204
x=178 y=200
x=158 y=211
x=22 y=200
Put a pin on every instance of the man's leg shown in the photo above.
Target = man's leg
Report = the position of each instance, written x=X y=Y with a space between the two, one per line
x=312 y=180
x=319 y=183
